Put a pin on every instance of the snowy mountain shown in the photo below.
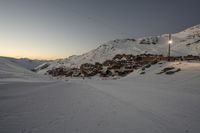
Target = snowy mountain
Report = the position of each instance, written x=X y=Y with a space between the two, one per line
x=25 y=62
x=186 y=42
x=11 y=68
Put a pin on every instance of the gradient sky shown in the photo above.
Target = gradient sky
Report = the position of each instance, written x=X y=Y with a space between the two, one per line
x=49 y=29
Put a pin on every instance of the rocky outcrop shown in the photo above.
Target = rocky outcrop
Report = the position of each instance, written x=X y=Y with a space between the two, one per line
x=149 y=40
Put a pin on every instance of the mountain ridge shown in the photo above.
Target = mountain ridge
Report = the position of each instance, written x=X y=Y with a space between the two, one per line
x=25 y=62
x=186 y=42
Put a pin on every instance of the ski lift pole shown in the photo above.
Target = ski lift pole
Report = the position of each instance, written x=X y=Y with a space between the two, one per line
x=169 y=47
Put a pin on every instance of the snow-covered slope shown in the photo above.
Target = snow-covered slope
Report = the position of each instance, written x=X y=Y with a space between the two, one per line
x=25 y=62
x=184 y=43
x=11 y=69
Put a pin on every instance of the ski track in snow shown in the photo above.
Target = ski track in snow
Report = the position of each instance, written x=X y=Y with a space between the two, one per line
x=96 y=106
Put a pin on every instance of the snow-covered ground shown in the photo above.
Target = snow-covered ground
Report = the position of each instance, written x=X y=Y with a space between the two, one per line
x=148 y=103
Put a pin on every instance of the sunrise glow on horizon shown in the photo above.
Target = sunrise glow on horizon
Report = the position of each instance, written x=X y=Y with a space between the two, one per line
x=32 y=51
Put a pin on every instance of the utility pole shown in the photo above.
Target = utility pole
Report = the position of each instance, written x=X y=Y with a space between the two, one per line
x=169 y=48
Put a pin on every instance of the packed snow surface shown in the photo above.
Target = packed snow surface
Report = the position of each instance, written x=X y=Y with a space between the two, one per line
x=149 y=103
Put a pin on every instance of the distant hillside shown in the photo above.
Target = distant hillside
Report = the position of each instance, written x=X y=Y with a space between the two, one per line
x=25 y=62
x=10 y=69
x=186 y=42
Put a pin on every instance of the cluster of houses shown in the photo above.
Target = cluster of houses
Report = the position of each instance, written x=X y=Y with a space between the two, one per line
x=120 y=65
